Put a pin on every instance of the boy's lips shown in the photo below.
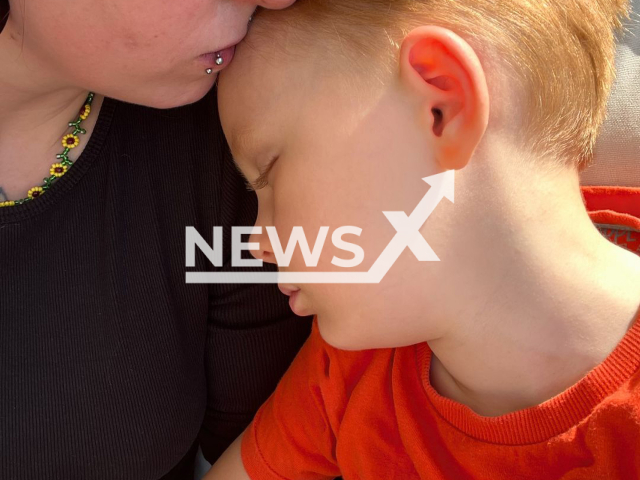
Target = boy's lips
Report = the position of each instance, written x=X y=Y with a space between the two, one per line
x=288 y=290
x=293 y=293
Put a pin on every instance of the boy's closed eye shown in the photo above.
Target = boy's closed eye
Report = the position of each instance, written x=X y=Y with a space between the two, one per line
x=262 y=180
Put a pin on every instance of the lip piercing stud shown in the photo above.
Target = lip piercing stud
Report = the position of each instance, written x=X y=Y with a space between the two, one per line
x=209 y=71
x=219 y=59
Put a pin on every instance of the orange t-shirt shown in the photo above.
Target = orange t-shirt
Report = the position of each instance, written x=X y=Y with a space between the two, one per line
x=374 y=415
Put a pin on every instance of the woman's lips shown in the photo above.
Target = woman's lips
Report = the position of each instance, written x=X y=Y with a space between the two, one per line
x=210 y=59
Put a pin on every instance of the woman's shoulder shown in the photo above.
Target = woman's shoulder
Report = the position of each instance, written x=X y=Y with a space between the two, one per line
x=184 y=144
x=179 y=157
x=191 y=132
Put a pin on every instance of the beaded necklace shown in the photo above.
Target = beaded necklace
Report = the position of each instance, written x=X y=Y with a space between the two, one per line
x=57 y=170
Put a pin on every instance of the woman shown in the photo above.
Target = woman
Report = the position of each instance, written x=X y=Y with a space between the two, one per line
x=111 y=367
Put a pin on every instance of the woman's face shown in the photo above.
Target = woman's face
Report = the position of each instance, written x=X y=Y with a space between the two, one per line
x=151 y=52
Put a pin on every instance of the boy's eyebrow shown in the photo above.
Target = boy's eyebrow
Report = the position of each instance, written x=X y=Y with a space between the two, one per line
x=241 y=139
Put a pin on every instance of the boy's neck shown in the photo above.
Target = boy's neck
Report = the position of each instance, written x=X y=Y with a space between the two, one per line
x=545 y=297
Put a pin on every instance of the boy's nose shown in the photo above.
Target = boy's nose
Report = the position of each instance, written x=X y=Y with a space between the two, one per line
x=265 y=251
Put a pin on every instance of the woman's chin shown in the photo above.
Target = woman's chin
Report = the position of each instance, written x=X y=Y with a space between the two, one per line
x=174 y=97
x=188 y=96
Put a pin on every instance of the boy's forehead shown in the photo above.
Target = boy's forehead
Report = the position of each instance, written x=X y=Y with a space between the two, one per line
x=240 y=94
x=258 y=87
x=253 y=80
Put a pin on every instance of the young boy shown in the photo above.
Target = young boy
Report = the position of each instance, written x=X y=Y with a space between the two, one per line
x=517 y=355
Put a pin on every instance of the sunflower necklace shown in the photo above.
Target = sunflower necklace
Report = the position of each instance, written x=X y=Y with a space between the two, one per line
x=57 y=170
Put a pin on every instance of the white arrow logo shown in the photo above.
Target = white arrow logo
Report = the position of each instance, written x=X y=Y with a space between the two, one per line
x=407 y=236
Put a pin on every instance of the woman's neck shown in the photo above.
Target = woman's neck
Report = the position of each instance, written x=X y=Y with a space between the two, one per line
x=36 y=110
x=538 y=298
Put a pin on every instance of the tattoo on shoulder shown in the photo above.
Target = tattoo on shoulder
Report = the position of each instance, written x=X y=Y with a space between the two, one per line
x=3 y=197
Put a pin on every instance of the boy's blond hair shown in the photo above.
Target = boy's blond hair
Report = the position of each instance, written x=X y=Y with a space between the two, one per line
x=560 y=51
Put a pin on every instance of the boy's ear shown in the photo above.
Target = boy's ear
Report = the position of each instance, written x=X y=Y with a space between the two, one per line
x=445 y=75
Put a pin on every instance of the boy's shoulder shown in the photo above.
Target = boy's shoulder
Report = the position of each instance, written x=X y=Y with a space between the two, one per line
x=353 y=385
